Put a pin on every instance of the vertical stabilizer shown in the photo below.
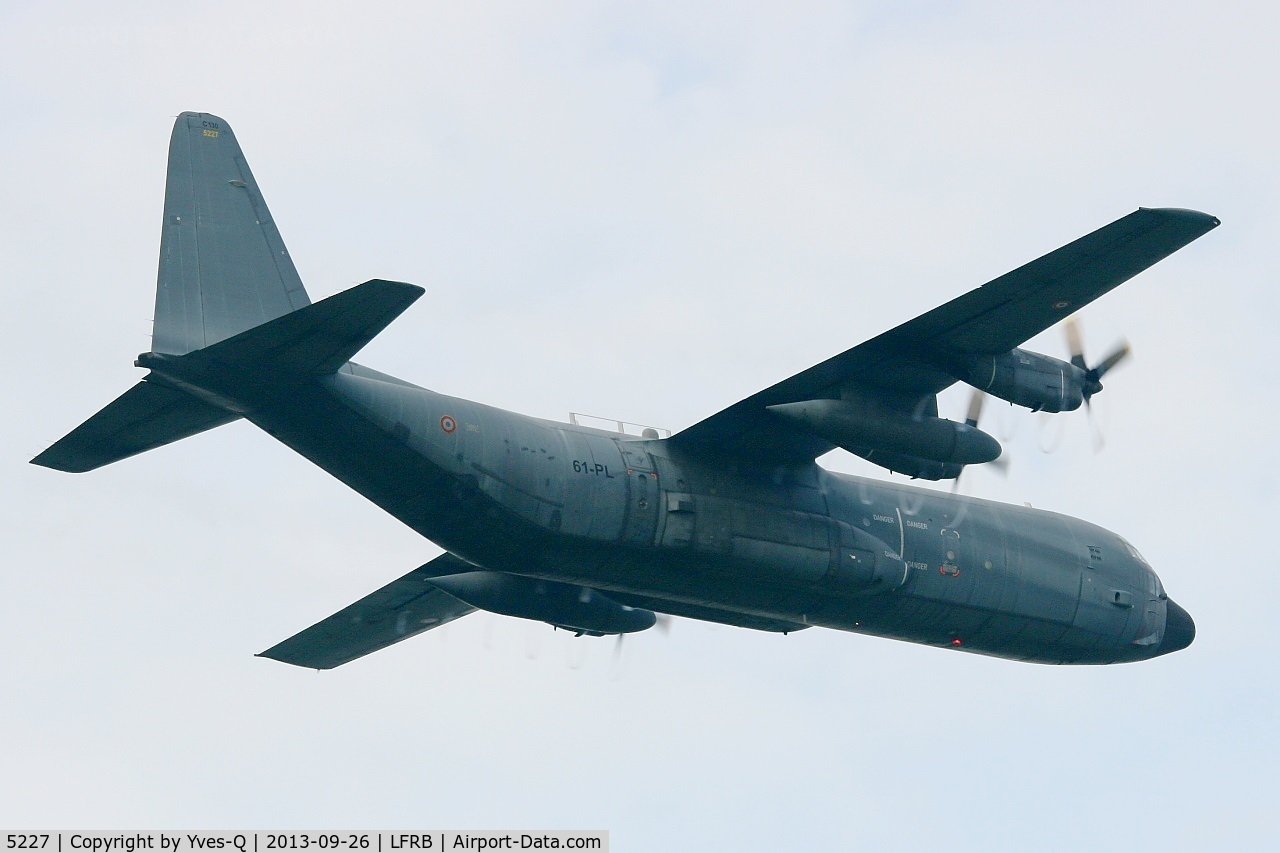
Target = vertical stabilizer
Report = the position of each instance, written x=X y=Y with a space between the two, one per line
x=223 y=266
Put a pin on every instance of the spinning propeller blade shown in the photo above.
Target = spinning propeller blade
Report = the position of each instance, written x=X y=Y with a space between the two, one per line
x=971 y=418
x=1092 y=375
x=975 y=407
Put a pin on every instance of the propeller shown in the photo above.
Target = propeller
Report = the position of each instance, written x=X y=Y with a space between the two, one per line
x=617 y=661
x=1052 y=431
x=532 y=641
x=976 y=401
x=1092 y=375
x=615 y=666
x=971 y=418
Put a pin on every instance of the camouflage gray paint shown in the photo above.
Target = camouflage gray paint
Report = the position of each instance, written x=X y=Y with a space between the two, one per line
x=779 y=549
x=731 y=521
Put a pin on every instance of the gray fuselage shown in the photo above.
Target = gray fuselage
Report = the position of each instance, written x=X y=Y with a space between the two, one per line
x=776 y=549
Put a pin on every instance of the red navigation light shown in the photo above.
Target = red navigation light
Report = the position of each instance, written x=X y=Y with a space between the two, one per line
x=956 y=642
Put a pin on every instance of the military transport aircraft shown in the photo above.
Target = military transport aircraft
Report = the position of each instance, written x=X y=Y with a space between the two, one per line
x=731 y=520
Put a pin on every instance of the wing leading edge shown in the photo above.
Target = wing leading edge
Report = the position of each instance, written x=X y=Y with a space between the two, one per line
x=906 y=366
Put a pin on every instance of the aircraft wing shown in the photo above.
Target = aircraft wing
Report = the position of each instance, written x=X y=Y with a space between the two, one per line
x=906 y=367
x=401 y=609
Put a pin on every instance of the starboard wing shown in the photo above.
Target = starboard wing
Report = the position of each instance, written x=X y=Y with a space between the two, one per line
x=906 y=367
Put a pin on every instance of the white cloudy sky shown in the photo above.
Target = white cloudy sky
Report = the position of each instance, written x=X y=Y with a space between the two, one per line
x=646 y=212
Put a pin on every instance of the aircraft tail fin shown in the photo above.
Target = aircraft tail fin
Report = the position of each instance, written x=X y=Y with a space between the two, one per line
x=229 y=305
x=223 y=265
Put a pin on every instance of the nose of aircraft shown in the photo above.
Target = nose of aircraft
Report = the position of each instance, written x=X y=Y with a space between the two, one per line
x=1179 y=630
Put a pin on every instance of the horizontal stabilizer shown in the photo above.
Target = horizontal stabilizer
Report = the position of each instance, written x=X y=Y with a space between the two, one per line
x=320 y=338
x=146 y=416
x=401 y=609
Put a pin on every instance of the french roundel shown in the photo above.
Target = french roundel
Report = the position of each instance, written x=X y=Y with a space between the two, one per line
x=448 y=424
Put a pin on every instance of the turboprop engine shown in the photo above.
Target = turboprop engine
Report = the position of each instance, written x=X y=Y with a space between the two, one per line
x=575 y=608
x=1039 y=382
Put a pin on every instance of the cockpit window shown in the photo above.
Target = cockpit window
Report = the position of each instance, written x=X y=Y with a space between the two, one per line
x=1134 y=552
x=1152 y=582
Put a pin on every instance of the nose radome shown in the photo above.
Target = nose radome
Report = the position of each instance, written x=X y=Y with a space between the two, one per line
x=1179 y=629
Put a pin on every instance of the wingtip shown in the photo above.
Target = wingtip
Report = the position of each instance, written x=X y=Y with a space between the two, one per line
x=311 y=665
x=1204 y=220
x=55 y=462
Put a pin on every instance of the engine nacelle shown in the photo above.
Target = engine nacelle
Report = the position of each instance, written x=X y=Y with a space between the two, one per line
x=913 y=466
x=1039 y=382
x=574 y=608
x=859 y=427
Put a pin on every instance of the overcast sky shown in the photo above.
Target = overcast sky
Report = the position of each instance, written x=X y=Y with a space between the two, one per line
x=644 y=212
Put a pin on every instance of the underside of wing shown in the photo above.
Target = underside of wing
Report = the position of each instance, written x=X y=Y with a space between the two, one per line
x=903 y=369
x=399 y=610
